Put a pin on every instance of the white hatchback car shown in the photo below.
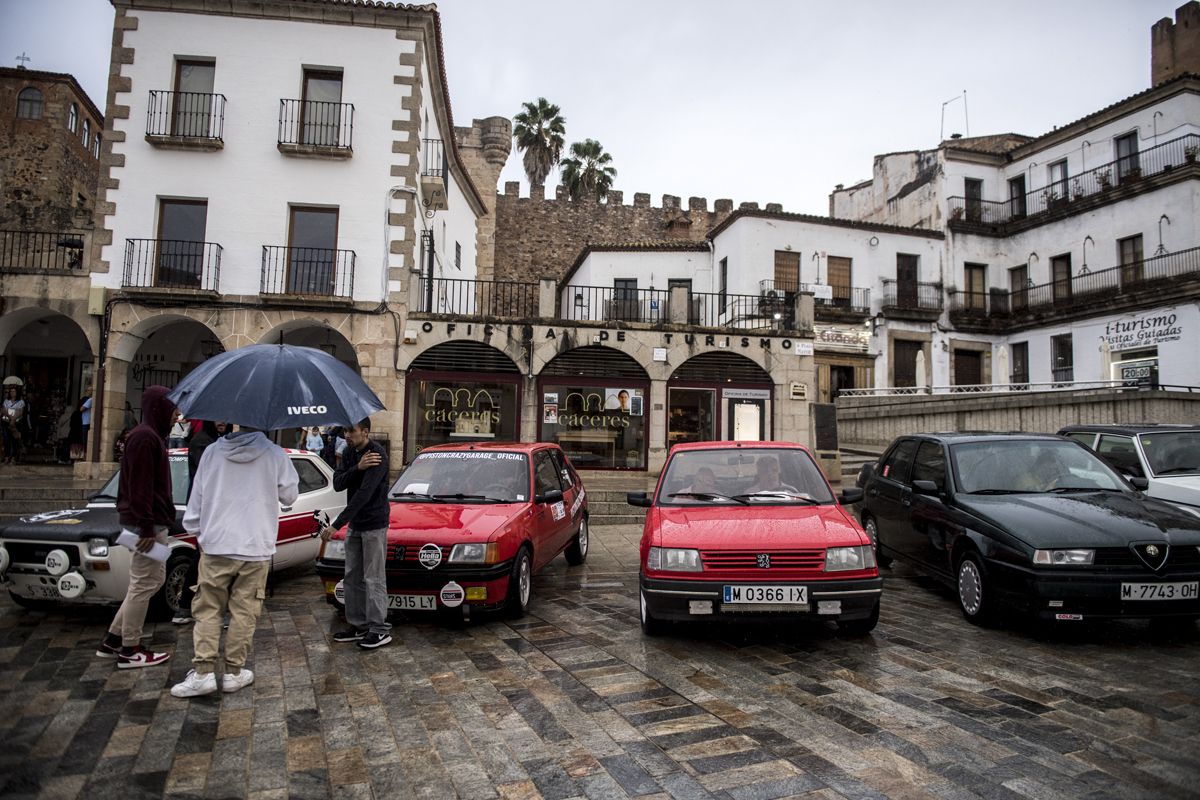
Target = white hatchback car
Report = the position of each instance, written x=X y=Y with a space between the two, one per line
x=1166 y=455
x=72 y=556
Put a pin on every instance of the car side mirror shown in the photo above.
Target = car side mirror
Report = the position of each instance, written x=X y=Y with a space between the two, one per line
x=552 y=496
x=638 y=499
x=865 y=473
x=926 y=487
x=1141 y=484
x=851 y=496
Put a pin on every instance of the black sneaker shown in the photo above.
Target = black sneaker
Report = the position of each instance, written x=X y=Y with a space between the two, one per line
x=373 y=640
x=349 y=635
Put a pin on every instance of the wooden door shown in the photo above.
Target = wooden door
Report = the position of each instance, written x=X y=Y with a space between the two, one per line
x=968 y=368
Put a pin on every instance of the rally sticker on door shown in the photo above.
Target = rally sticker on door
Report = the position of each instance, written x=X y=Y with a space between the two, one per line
x=578 y=502
x=558 y=510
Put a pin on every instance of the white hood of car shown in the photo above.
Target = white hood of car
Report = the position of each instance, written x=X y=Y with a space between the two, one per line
x=1177 y=489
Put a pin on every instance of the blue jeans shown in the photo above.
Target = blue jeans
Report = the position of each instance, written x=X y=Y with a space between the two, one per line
x=365 y=583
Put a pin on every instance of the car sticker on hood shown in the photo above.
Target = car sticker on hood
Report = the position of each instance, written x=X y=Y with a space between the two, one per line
x=53 y=515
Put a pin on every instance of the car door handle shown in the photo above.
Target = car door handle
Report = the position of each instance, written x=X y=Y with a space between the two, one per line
x=285 y=509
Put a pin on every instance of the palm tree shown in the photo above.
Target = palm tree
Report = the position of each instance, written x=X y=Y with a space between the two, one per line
x=539 y=133
x=587 y=172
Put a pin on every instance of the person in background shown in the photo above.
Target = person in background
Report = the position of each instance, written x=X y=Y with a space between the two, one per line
x=146 y=507
x=85 y=410
x=314 y=442
x=363 y=476
x=241 y=481
x=12 y=420
x=179 y=432
x=329 y=452
x=339 y=448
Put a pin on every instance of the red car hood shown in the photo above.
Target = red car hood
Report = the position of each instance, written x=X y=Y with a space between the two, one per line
x=752 y=527
x=445 y=523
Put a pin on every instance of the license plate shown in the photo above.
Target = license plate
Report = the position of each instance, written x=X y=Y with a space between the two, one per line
x=1160 y=591
x=412 y=602
x=39 y=591
x=756 y=594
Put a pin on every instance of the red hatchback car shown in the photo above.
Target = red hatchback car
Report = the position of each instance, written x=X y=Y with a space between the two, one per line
x=752 y=531
x=470 y=524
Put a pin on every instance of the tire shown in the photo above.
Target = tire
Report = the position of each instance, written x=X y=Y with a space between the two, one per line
x=651 y=626
x=29 y=603
x=520 y=585
x=577 y=550
x=860 y=627
x=165 y=602
x=974 y=590
x=872 y=530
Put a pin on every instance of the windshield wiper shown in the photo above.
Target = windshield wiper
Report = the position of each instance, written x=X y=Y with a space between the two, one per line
x=461 y=496
x=786 y=495
x=1177 y=470
x=1070 y=489
x=416 y=496
x=1005 y=491
x=709 y=496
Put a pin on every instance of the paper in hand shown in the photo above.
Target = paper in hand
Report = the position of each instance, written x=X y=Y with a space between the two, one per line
x=129 y=539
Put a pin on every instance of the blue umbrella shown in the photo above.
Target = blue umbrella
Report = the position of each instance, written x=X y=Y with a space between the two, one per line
x=275 y=386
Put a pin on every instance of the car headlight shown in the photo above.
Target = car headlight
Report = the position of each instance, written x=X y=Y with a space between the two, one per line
x=840 y=559
x=473 y=553
x=1063 y=558
x=334 y=550
x=97 y=548
x=674 y=559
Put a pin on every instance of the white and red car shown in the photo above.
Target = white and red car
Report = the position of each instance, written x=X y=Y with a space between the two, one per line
x=72 y=556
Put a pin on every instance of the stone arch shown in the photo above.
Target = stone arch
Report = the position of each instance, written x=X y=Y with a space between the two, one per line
x=464 y=356
x=594 y=360
x=721 y=366
x=310 y=332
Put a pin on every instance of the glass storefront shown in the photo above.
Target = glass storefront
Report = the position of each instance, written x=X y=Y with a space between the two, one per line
x=598 y=425
x=690 y=415
x=449 y=409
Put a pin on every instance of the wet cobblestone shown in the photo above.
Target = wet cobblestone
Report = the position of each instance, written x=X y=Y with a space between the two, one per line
x=572 y=701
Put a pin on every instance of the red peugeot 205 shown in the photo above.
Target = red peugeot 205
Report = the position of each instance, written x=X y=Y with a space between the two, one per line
x=752 y=531
x=470 y=524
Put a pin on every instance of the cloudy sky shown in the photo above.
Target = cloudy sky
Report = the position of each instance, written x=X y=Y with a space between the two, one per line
x=755 y=100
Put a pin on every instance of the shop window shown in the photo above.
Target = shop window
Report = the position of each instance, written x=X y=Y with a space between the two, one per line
x=599 y=426
x=690 y=415
x=451 y=409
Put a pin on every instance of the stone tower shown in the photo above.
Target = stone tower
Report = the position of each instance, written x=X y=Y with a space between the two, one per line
x=484 y=148
x=1175 y=46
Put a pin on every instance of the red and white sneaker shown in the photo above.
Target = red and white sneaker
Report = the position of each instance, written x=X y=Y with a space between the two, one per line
x=106 y=650
x=140 y=657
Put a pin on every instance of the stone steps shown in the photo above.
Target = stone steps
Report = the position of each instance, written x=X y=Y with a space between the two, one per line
x=23 y=496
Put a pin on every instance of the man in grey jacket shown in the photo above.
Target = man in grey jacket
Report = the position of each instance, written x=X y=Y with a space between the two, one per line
x=234 y=512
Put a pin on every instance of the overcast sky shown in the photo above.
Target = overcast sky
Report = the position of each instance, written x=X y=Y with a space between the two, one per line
x=756 y=100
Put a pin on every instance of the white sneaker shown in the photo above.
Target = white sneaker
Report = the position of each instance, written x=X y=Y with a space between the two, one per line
x=231 y=683
x=195 y=685
x=181 y=618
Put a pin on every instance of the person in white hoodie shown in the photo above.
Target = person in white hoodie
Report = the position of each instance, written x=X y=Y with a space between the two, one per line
x=234 y=512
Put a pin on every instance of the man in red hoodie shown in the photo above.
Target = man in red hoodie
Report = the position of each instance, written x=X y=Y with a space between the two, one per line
x=147 y=508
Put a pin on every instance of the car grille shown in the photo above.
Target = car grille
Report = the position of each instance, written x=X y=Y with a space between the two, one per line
x=1179 y=556
x=35 y=552
x=402 y=557
x=811 y=560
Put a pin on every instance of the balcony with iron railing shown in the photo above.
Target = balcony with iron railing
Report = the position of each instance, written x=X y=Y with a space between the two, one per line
x=911 y=300
x=1168 y=274
x=316 y=129
x=844 y=302
x=1117 y=178
x=171 y=264
x=610 y=304
x=186 y=120
x=42 y=251
x=469 y=298
x=309 y=272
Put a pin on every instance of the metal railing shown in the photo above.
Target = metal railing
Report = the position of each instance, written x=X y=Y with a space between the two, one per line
x=308 y=271
x=41 y=250
x=1120 y=172
x=172 y=264
x=601 y=303
x=845 y=298
x=913 y=296
x=433 y=158
x=470 y=298
x=991 y=388
x=186 y=115
x=314 y=123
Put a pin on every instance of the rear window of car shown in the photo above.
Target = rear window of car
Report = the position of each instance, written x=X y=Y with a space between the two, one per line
x=743 y=476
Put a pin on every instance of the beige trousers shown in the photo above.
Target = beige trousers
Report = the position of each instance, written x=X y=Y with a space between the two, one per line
x=146 y=576
x=227 y=583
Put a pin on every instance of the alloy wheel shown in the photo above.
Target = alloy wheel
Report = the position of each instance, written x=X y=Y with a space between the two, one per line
x=970 y=587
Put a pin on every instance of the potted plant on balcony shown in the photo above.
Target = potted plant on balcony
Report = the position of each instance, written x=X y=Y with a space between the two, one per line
x=1131 y=174
x=1189 y=153
x=1049 y=198
x=1104 y=177
x=1076 y=189
x=956 y=212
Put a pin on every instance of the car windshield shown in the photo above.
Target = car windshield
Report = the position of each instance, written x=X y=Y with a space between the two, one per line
x=179 y=483
x=1173 y=453
x=1030 y=466
x=743 y=476
x=467 y=476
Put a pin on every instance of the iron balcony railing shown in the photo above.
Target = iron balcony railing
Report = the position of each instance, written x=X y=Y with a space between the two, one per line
x=467 y=298
x=845 y=298
x=41 y=250
x=308 y=271
x=172 y=264
x=318 y=124
x=433 y=160
x=1125 y=170
x=186 y=115
x=913 y=296
x=1080 y=288
x=604 y=303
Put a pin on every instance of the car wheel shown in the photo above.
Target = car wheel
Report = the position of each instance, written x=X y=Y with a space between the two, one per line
x=651 y=626
x=29 y=603
x=520 y=585
x=860 y=627
x=165 y=603
x=974 y=592
x=872 y=530
x=577 y=550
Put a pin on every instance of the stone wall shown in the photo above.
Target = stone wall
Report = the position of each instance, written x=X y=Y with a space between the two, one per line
x=484 y=148
x=1175 y=46
x=538 y=237
x=879 y=420
x=44 y=168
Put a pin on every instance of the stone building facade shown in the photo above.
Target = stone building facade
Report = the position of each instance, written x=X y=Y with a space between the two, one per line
x=1175 y=44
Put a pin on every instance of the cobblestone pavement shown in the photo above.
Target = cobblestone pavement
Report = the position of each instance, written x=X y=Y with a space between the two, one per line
x=572 y=701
